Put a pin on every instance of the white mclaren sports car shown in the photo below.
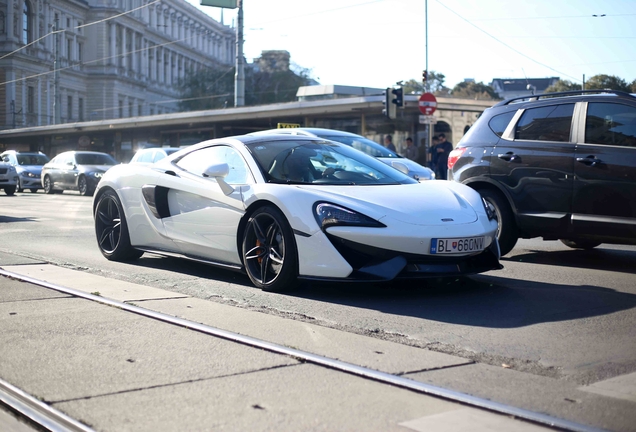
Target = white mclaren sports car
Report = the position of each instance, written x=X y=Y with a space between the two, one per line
x=287 y=208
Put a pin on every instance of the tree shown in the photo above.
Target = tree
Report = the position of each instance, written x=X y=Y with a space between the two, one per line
x=435 y=82
x=609 y=82
x=632 y=87
x=563 y=85
x=474 y=90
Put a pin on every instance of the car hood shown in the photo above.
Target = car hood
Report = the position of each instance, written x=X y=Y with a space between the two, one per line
x=429 y=203
x=414 y=167
x=35 y=169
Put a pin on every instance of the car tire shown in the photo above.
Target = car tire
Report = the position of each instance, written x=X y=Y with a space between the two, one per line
x=82 y=186
x=33 y=190
x=47 y=185
x=111 y=229
x=507 y=232
x=269 y=251
x=19 y=188
x=580 y=244
x=10 y=190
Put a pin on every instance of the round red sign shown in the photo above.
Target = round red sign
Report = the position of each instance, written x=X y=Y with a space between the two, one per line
x=427 y=103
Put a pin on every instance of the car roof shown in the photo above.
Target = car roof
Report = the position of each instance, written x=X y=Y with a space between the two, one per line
x=566 y=94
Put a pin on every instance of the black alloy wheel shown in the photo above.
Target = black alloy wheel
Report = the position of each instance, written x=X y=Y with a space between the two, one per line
x=269 y=251
x=111 y=229
x=506 y=226
x=82 y=186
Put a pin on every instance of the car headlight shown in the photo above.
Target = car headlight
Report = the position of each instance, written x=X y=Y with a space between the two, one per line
x=28 y=174
x=490 y=211
x=328 y=214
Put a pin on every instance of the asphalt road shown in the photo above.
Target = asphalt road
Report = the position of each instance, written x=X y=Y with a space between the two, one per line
x=551 y=312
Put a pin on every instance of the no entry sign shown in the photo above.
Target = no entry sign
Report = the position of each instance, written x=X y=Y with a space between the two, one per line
x=427 y=103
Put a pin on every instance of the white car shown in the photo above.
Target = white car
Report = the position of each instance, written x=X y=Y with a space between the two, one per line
x=286 y=208
x=372 y=148
x=8 y=178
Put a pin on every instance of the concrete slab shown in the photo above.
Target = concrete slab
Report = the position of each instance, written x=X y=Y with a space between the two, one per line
x=466 y=419
x=295 y=398
x=620 y=387
x=12 y=290
x=361 y=350
x=11 y=259
x=503 y=385
x=86 y=282
x=88 y=349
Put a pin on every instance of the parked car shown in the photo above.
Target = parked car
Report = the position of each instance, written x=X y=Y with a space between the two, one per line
x=372 y=148
x=8 y=178
x=28 y=166
x=289 y=207
x=153 y=154
x=559 y=165
x=75 y=170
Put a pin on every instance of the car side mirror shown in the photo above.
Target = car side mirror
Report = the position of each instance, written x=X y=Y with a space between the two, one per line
x=400 y=167
x=219 y=172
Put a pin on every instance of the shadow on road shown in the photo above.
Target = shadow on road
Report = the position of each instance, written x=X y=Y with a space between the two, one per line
x=8 y=219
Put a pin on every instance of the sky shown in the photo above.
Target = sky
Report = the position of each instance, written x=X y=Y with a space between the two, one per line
x=376 y=43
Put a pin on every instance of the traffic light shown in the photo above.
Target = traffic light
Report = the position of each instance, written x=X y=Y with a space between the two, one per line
x=390 y=108
x=399 y=96
x=424 y=76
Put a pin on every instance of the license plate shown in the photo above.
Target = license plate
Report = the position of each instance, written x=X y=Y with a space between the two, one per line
x=456 y=245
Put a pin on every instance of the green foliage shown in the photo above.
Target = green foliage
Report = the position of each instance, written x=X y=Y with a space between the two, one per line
x=609 y=82
x=632 y=87
x=435 y=84
x=474 y=90
x=563 y=85
x=214 y=88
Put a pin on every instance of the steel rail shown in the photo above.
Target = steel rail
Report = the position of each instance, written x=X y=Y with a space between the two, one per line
x=375 y=375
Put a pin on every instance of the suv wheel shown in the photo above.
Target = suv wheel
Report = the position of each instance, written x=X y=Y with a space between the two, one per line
x=507 y=227
x=580 y=244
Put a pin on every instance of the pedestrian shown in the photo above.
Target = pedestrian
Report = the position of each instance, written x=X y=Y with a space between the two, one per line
x=411 y=152
x=388 y=143
x=442 y=150
x=432 y=153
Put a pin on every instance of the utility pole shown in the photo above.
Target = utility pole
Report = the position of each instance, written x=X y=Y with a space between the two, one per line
x=56 y=76
x=239 y=76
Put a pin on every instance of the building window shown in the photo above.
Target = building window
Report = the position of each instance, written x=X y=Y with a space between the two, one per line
x=69 y=49
x=130 y=109
x=121 y=109
x=80 y=48
x=30 y=100
x=79 y=27
x=26 y=23
x=2 y=23
x=69 y=107
x=139 y=110
x=80 y=109
x=68 y=23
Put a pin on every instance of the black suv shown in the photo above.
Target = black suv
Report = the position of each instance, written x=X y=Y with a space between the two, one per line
x=558 y=165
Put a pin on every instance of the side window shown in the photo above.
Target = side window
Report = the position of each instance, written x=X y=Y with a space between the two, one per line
x=499 y=123
x=197 y=161
x=158 y=155
x=145 y=156
x=549 y=123
x=610 y=124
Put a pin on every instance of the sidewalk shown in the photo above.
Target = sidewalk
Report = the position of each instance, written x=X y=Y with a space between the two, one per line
x=114 y=370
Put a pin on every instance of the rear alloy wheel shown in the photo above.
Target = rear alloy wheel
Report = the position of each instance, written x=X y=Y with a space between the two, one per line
x=506 y=225
x=82 y=186
x=111 y=229
x=269 y=251
x=580 y=244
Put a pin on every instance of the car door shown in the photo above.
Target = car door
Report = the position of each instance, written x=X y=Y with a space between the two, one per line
x=533 y=163
x=68 y=172
x=604 y=201
x=203 y=219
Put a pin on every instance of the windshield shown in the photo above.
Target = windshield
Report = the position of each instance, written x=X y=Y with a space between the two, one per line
x=94 y=159
x=321 y=162
x=365 y=145
x=32 y=159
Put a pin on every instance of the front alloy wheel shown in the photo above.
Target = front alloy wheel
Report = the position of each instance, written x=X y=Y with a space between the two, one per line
x=111 y=229
x=48 y=186
x=82 y=186
x=269 y=251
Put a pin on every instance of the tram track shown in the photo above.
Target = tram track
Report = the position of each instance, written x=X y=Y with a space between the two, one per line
x=57 y=421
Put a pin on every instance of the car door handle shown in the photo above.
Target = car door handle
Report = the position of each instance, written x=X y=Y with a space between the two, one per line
x=170 y=172
x=590 y=160
x=508 y=157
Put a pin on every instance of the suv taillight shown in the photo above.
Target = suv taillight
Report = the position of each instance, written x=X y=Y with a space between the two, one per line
x=455 y=155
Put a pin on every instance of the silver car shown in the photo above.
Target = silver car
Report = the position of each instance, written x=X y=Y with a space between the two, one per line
x=28 y=166
x=8 y=178
x=372 y=148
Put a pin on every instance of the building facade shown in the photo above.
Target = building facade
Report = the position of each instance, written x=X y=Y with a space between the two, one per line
x=65 y=61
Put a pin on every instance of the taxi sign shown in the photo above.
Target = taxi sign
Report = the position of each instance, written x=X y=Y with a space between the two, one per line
x=288 y=125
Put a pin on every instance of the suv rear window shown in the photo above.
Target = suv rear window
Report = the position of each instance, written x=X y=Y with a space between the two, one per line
x=549 y=123
x=610 y=124
x=500 y=122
